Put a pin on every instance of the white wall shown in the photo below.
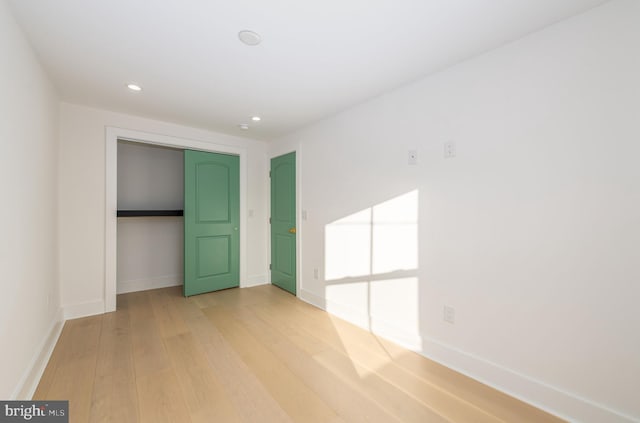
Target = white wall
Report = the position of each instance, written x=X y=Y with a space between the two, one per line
x=150 y=177
x=531 y=232
x=28 y=259
x=150 y=253
x=150 y=249
x=82 y=199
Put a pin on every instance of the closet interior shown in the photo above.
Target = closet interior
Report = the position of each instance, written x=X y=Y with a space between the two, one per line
x=150 y=223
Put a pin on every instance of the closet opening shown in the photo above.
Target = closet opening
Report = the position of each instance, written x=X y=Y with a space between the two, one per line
x=162 y=210
x=150 y=217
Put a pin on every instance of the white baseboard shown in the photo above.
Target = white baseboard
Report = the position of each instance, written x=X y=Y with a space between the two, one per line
x=339 y=310
x=75 y=311
x=174 y=280
x=546 y=397
x=537 y=393
x=148 y=283
x=311 y=298
x=31 y=377
x=255 y=280
x=373 y=324
x=410 y=341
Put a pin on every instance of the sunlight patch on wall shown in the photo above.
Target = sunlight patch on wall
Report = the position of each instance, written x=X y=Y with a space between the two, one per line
x=394 y=303
x=387 y=307
x=345 y=297
x=348 y=246
x=395 y=234
x=378 y=239
x=371 y=271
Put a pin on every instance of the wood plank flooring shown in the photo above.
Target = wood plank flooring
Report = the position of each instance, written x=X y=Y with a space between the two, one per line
x=253 y=355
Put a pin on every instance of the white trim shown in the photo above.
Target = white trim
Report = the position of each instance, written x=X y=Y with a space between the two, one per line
x=112 y=136
x=335 y=309
x=541 y=395
x=256 y=280
x=313 y=299
x=299 y=225
x=31 y=377
x=90 y=308
x=146 y=284
x=373 y=324
x=537 y=393
x=387 y=330
x=111 y=220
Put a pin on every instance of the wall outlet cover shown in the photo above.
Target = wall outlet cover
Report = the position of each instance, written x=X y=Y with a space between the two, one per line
x=449 y=314
x=449 y=149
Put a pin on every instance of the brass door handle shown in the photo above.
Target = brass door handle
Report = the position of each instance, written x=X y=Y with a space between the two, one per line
x=292 y=230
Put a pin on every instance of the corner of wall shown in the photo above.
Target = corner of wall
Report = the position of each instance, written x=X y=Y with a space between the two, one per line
x=91 y=308
x=255 y=280
x=31 y=377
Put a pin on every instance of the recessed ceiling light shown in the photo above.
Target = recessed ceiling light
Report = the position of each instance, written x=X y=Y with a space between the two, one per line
x=134 y=87
x=256 y=118
x=243 y=126
x=250 y=38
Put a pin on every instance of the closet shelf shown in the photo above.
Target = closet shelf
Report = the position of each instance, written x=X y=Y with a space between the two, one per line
x=141 y=213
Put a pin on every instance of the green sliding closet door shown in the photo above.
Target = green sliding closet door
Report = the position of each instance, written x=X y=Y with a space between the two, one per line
x=211 y=222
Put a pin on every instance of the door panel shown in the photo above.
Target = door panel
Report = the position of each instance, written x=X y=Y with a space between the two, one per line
x=212 y=193
x=283 y=222
x=213 y=255
x=285 y=251
x=211 y=222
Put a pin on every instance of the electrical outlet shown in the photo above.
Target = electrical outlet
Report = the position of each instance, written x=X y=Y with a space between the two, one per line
x=315 y=273
x=413 y=157
x=449 y=314
x=304 y=215
x=449 y=150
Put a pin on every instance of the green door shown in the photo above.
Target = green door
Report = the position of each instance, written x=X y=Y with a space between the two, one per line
x=211 y=222
x=283 y=222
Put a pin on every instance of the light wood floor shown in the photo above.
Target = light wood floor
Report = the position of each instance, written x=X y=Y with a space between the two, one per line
x=252 y=355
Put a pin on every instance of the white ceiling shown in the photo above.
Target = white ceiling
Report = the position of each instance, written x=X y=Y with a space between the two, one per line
x=316 y=58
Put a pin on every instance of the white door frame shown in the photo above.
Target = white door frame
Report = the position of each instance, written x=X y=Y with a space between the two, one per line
x=114 y=134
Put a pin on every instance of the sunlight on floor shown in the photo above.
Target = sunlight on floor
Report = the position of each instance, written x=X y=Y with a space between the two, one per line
x=371 y=266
